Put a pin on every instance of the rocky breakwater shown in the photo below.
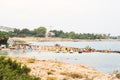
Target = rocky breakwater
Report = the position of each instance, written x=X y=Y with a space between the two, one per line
x=56 y=70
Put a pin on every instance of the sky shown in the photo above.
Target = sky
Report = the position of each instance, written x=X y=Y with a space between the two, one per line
x=80 y=16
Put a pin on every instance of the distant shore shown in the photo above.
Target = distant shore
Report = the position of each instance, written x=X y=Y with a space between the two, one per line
x=59 y=48
x=37 y=39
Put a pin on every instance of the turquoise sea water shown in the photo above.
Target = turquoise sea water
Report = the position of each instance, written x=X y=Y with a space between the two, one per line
x=104 y=62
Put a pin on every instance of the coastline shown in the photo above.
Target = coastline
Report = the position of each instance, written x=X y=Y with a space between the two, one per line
x=38 y=39
x=57 y=69
x=58 y=48
x=61 y=70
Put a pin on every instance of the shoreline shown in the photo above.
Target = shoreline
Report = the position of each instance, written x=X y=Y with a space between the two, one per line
x=59 y=48
x=38 y=39
x=61 y=70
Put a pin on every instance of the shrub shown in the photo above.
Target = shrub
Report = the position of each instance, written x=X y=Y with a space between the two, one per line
x=11 y=70
x=73 y=75
x=50 y=72
x=51 y=78
x=59 y=65
x=31 y=60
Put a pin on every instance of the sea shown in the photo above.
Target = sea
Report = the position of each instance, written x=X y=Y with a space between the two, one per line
x=103 y=62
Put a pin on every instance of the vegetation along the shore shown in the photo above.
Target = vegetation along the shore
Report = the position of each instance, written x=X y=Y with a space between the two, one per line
x=3 y=37
x=42 y=32
x=11 y=70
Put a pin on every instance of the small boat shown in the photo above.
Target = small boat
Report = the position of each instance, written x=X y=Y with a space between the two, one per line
x=79 y=52
x=71 y=51
x=57 y=51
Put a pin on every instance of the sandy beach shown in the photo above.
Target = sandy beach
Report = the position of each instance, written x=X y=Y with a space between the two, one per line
x=38 y=39
x=57 y=70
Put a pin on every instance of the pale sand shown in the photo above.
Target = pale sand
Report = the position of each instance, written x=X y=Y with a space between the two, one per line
x=38 y=39
x=41 y=68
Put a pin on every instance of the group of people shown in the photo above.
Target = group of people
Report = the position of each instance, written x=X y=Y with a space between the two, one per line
x=57 y=49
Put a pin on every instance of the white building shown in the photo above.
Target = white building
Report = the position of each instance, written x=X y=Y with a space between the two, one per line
x=50 y=34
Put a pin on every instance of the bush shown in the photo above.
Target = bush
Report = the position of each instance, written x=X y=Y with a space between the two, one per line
x=31 y=60
x=51 y=78
x=11 y=70
x=50 y=72
x=73 y=75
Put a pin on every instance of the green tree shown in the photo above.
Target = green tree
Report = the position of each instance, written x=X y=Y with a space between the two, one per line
x=33 y=33
x=41 y=31
x=59 y=33
x=11 y=34
x=72 y=35
x=24 y=32
x=16 y=32
x=3 y=37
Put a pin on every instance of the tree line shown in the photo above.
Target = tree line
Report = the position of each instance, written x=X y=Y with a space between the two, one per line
x=42 y=31
x=73 y=35
x=39 y=32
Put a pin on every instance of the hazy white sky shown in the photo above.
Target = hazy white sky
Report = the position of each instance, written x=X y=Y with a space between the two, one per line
x=82 y=16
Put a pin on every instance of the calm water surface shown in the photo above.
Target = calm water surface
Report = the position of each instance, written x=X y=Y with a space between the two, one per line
x=97 y=45
x=104 y=62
